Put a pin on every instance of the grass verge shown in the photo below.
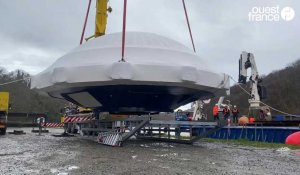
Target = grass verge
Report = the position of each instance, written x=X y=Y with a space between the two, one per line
x=245 y=142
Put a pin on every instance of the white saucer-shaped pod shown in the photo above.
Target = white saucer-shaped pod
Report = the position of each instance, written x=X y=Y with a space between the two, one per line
x=150 y=61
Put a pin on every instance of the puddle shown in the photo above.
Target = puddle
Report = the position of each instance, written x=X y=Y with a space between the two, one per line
x=283 y=149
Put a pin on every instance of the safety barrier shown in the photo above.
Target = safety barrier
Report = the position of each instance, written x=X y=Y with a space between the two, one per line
x=53 y=125
x=78 y=118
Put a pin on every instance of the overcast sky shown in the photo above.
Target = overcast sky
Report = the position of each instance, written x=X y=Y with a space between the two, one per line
x=34 y=33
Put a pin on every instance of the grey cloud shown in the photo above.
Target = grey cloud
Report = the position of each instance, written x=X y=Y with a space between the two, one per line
x=221 y=29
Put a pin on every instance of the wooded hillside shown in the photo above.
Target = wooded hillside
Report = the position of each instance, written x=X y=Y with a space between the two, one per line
x=283 y=92
x=24 y=100
x=283 y=87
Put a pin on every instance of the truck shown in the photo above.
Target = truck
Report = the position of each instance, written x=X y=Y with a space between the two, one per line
x=4 y=106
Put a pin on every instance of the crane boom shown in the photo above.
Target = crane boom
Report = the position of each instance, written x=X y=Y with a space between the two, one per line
x=101 y=17
x=247 y=61
x=257 y=91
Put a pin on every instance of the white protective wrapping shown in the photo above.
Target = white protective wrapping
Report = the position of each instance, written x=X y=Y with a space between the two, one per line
x=151 y=59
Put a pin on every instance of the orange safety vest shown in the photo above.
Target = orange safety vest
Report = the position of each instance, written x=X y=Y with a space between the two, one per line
x=215 y=110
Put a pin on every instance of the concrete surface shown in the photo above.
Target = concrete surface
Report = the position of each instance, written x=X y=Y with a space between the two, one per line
x=32 y=154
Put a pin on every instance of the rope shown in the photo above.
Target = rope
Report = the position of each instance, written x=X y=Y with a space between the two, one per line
x=85 y=21
x=10 y=82
x=188 y=23
x=123 y=31
x=280 y=111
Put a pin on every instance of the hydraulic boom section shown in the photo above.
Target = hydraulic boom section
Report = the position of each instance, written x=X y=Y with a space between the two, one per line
x=101 y=17
x=257 y=91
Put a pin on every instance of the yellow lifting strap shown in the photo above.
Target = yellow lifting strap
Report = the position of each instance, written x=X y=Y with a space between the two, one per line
x=101 y=17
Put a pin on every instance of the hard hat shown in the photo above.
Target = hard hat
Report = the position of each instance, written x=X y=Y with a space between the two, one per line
x=234 y=106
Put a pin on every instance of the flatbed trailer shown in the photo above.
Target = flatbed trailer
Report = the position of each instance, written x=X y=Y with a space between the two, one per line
x=116 y=131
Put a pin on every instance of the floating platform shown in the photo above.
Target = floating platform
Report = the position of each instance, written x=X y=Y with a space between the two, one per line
x=259 y=131
x=182 y=131
x=254 y=133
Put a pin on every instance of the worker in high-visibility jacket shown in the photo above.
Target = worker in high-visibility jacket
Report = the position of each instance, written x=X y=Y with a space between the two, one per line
x=216 y=112
x=235 y=114
x=226 y=113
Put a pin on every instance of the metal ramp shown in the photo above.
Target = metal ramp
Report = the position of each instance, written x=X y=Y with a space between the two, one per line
x=113 y=132
x=126 y=136
x=119 y=136
x=113 y=138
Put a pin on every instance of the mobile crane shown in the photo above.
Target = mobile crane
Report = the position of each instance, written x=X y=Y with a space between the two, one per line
x=257 y=91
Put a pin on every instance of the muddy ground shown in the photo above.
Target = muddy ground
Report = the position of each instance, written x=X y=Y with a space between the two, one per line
x=32 y=154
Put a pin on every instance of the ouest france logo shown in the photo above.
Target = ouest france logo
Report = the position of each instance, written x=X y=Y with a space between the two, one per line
x=271 y=14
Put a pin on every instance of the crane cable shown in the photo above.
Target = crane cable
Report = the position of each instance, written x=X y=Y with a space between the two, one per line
x=188 y=24
x=85 y=21
x=261 y=101
x=123 y=30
